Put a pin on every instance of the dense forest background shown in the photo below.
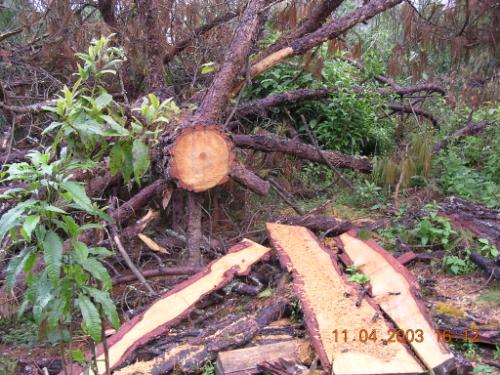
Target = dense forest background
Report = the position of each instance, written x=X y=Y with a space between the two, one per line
x=402 y=96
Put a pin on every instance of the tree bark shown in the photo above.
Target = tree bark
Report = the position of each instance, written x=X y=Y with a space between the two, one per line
x=249 y=179
x=472 y=128
x=194 y=231
x=302 y=150
x=311 y=22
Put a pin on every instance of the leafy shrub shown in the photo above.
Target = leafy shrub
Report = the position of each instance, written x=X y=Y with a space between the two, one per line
x=348 y=120
x=470 y=168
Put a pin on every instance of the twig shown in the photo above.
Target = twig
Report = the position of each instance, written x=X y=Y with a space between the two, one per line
x=315 y=143
x=278 y=190
x=127 y=259
x=400 y=181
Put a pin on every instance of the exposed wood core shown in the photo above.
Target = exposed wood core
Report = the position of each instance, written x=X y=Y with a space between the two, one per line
x=393 y=288
x=329 y=304
x=201 y=158
x=246 y=360
x=177 y=303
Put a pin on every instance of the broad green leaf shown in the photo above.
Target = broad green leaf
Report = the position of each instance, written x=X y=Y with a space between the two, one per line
x=103 y=100
x=100 y=251
x=116 y=159
x=98 y=271
x=141 y=161
x=30 y=223
x=79 y=196
x=91 y=317
x=81 y=253
x=104 y=299
x=11 y=219
x=16 y=265
x=119 y=130
x=52 y=253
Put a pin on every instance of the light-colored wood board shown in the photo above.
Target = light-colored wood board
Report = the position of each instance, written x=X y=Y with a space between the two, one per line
x=329 y=303
x=176 y=304
x=246 y=360
x=393 y=289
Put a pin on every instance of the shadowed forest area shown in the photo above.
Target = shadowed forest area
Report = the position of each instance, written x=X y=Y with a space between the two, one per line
x=249 y=186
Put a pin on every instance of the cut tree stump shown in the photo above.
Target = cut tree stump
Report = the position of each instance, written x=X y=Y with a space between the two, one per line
x=245 y=361
x=394 y=289
x=331 y=305
x=201 y=158
x=176 y=304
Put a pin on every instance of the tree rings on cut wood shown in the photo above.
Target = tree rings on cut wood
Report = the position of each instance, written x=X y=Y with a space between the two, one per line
x=201 y=158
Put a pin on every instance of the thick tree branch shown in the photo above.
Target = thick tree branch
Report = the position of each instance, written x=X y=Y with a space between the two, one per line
x=249 y=179
x=312 y=22
x=302 y=150
x=472 y=128
x=217 y=96
x=329 y=31
x=406 y=108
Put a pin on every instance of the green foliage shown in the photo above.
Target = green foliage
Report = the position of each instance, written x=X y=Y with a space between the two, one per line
x=470 y=168
x=487 y=249
x=484 y=370
x=208 y=369
x=21 y=333
x=93 y=125
x=348 y=120
x=39 y=225
x=356 y=276
x=457 y=266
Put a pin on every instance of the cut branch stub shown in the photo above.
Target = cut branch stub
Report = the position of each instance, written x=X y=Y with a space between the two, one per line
x=201 y=158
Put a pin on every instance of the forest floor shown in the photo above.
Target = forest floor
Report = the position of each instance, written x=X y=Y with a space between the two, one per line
x=471 y=293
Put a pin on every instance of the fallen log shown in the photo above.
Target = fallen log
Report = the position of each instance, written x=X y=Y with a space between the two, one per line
x=232 y=332
x=176 y=304
x=335 y=315
x=462 y=330
x=406 y=108
x=246 y=360
x=395 y=290
x=481 y=221
x=302 y=150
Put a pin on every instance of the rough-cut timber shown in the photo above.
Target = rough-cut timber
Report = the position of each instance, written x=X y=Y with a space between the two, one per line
x=330 y=303
x=201 y=158
x=245 y=361
x=189 y=355
x=300 y=149
x=176 y=304
x=394 y=289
